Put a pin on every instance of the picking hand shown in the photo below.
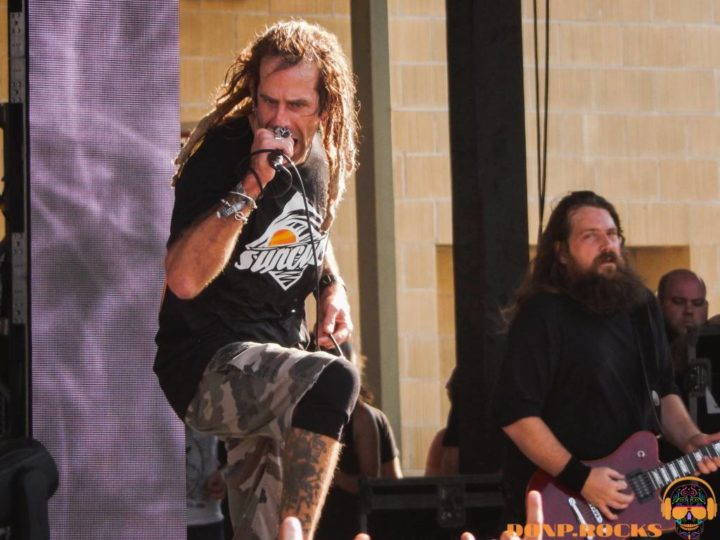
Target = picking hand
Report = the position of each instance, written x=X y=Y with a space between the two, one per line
x=604 y=489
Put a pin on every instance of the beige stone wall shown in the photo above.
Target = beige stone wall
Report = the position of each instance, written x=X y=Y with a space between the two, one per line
x=421 y=171
x=634 y=113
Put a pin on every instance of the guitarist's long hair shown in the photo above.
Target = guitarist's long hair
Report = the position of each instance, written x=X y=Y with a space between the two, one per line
x=546 y=273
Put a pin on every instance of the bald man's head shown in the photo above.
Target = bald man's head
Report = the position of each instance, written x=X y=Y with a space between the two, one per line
x=681 y=294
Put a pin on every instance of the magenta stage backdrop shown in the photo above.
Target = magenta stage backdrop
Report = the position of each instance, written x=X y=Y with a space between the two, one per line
x=104 y=126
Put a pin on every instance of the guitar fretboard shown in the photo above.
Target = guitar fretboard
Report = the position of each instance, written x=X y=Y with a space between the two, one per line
x=646 y=483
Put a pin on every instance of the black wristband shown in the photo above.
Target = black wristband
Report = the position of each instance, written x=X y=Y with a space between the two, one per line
x=574 y=474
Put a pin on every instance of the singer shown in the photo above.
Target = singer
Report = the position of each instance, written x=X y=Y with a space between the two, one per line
x=248 y=243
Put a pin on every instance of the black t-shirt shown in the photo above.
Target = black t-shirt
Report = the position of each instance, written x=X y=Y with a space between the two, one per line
x=452 y=431
x=260 y=294
x=388 y=450
x=582 y=375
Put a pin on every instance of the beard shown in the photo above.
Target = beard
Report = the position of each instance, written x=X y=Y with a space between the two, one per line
x=600 y=293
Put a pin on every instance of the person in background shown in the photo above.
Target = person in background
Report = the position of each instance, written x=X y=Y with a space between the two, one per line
x=681 y=294
x=682 y=297
x=205 y=487
x=369 y=450
x=443 y=455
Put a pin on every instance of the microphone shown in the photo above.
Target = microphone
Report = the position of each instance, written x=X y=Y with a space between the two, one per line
x=275 y=158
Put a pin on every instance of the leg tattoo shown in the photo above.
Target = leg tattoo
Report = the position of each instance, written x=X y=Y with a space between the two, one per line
x=309 y=461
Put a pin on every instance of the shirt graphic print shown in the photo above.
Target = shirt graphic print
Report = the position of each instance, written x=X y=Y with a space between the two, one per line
x=286 y=247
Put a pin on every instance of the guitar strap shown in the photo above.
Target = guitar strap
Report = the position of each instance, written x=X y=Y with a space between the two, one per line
x=644 y=327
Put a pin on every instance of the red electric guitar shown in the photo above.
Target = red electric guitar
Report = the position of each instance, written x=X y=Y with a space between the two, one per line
x=637 y=458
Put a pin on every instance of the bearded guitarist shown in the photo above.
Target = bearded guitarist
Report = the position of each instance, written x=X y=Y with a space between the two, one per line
x=587 y=365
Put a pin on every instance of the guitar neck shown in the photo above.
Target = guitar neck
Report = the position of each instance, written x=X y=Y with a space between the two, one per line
x=646 y=483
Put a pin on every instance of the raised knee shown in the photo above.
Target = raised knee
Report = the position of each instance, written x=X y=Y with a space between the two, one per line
x=327 y=406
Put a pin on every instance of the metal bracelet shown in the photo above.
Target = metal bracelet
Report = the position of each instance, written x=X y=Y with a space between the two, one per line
x=247 y=198
x=234 y=210
x=235 y=207
x=230 y=208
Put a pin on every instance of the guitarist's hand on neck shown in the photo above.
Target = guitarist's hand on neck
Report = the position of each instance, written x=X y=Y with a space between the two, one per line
x=679 y=428
x=604 y=489
x=707 y=465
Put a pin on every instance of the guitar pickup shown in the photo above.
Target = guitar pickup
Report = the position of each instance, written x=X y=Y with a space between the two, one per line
x=641 y=485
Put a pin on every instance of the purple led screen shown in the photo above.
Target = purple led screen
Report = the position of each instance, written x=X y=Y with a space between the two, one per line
x=104 y=126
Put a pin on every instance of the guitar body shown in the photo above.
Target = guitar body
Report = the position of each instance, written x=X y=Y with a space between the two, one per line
x=639 y=452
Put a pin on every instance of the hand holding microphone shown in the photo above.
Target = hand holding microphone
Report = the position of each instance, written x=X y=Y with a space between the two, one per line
x=275 y=158
x=270 y=146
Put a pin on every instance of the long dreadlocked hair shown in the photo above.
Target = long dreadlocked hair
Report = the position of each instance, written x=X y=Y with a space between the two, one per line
x=546 y=272
x=294 y=41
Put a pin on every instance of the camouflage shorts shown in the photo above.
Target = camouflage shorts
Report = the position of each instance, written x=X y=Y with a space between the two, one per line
x=246 y=397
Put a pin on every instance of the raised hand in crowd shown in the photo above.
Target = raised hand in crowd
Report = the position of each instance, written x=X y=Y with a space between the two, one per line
x=533 y=516
x=291 y=530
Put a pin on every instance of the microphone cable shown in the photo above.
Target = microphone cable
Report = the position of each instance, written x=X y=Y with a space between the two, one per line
x=293 y=173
